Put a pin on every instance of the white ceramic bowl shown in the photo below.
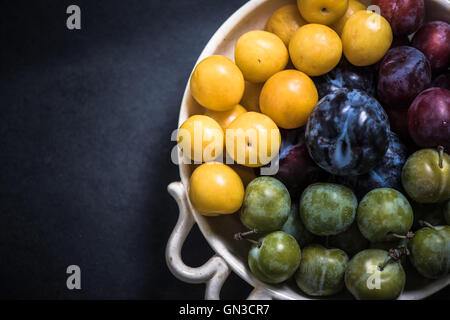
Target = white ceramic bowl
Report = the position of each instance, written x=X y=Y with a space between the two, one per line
x=218 y=231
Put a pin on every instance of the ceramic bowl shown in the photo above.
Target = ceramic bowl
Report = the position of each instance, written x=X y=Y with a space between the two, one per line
x=231 y=255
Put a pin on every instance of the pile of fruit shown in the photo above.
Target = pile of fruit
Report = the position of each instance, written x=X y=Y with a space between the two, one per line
x=353 y=107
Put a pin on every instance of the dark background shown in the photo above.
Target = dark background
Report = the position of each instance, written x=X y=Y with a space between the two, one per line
x=85 y=124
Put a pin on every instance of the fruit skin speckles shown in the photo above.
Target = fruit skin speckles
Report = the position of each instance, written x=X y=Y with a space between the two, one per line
x=430 y=251
x=382 y=212
x=365 y=265
x=424 y=180
x=347 y=133
x=276 y=259
x=266 y=206
x=327 y=209
x=321 y=271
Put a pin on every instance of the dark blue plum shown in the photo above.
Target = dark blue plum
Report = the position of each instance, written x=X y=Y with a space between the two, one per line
x=347 y=133
x=346 y=75
x=386 y=174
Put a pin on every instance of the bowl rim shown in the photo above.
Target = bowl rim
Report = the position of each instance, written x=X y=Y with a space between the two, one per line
x=216 y=244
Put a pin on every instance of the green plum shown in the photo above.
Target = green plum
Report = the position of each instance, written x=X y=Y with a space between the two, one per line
x=295 y=227
x=424 y=180
x=266 y=206
x=321 y=271
x=275 y=258
x=327 y=209
x=384 y=212
x=447 y=212
x=370 y=275
x=351 y=240
x=430 y=251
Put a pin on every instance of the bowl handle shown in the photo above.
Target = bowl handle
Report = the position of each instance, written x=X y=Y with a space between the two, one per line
x=214 y=272
x=260 y=294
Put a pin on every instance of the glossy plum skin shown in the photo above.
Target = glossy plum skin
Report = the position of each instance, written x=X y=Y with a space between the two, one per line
x=382 y=212
x=327 y=209
x=433 y=39
x=347 y=132
x=346 y=75
x=424 y=180
x=363 y=265
x=396 y=42
x=404 y=16
x=276 y=259
x=296 y=168
x=295 y=227
x=321 y=271
x=442 y=81
x=387 y=174
x=266 y=205
x=403 y=73
x=429 y=118
x=430 y=251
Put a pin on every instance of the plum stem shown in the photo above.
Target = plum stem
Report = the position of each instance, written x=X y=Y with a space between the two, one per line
x=441 y=156
x=408 y=236
x=243 y=236
x=384 y=264
x=256 y=243
x=394 y=255
x=426 y=224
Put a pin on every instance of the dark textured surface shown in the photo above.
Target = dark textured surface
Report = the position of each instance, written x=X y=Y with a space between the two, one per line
x=85 y=123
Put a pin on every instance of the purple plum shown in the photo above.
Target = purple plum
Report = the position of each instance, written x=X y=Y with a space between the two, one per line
x=433 y=39
x=403 y=74
x=405 y=16
x=429 y=118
